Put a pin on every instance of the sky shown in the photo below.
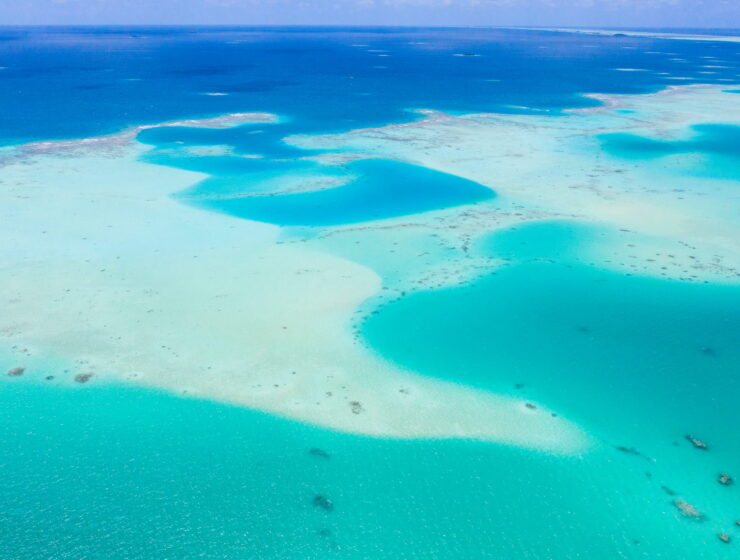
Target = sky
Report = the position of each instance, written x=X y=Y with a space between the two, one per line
x=574 y=13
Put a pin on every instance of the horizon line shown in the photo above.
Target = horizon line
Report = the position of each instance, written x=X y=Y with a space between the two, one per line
x=369 y=26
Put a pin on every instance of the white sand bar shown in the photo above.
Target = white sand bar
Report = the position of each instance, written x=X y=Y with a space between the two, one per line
x=100 y=267
x=633 y=33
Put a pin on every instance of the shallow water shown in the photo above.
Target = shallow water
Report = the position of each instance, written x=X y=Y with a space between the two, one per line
x=640 y=362
x=643 y=357
x=717 y=145
x=107 y=471
x=119 y=472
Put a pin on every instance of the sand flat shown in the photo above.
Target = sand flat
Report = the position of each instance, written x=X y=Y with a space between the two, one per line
x=106 y=270
x=545 y=167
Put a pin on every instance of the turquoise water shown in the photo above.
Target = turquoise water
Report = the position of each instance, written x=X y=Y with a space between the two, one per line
x=640 y=362
x=568 y=330
x=111 y=472
x=552 y=240
x=717 y=144
x=124 y=473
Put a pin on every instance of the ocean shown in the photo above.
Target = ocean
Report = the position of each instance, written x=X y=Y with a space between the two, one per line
x=619 y=314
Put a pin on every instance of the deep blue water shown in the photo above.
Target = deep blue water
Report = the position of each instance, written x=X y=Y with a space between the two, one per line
x=382 y=189
x=374 y=189
x=113 y=472
x=106 y=79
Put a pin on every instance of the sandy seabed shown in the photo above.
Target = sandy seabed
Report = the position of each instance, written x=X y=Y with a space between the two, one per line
x=102 y=268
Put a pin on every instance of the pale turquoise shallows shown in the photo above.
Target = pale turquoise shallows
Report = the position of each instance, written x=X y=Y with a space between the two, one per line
x=114 y=472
